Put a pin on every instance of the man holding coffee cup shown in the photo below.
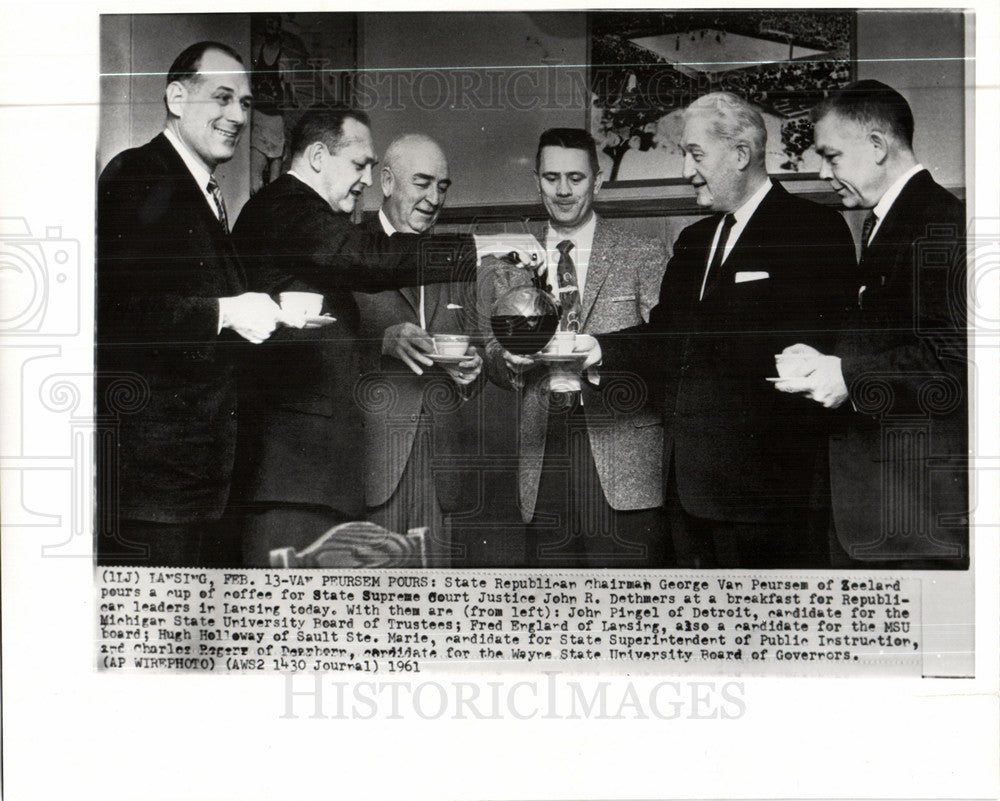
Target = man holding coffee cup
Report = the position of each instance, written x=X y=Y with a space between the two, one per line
x=419 y=368
x=590 y=486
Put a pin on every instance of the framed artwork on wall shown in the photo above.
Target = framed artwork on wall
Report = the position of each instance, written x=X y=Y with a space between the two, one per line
x=298 y=61
x=645 y=67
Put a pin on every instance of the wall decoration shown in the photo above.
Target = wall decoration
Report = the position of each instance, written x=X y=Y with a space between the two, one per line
x=645 y=67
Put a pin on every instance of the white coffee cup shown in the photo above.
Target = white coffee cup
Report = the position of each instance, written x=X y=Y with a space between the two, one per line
x=563 y=343
x=451 y=344
x=301 y=304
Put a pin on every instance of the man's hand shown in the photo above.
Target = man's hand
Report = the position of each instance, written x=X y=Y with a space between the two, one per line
x=822 y=379
x=799 y=351
x=517 y=366
x=590 y=348
x=527 y=248
x=408 y=343
x=252 y=315
x=465 y=372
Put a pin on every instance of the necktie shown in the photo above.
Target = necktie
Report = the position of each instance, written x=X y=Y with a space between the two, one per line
x=713 y=269
x=220 y=204
x=866 y=231
x=569 y=290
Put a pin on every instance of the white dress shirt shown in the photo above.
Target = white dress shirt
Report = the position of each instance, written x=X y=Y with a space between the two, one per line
x=742 y=215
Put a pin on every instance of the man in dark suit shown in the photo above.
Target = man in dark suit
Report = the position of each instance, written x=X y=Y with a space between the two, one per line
x=417 y=411
x=299 y=464
x=897 y=374
x=589 y=479
x=740 y=460
x=172 y=310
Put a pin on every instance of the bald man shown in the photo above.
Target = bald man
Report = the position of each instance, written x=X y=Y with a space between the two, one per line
x=419 y=413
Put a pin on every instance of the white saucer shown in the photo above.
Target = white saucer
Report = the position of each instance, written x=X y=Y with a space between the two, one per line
x=560 y=358
x=442 y=358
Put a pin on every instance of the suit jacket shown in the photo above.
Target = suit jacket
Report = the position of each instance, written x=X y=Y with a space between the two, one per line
x=300 y=421
x=392 y=397
x=288 y=229
x=742 y=451
x=165 y=374
x=625 y=432
x=898 y=464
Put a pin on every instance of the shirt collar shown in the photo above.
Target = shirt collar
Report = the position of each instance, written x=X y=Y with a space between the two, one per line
x=746 y=211
x=883 y=206
x=582 y=238
x=195 y=167
x=387 y=226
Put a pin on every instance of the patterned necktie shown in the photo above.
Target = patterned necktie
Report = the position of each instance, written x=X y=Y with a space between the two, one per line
x=569 y=291
x=866 y=231
x=220 y=204
x=713 y=269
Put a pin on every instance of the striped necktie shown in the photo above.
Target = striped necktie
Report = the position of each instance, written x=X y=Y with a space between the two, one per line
x=866 y=231
x=220 y=204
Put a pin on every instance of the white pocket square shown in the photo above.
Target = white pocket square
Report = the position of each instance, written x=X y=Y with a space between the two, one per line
x=742 y=278
x=454 y=306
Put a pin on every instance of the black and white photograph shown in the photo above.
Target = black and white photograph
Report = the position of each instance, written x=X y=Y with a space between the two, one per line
x=507 y=402
x=313 y=315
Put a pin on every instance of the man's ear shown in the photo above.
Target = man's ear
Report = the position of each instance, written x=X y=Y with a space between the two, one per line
x=387 y=180
x=314 y=156
x=598 y=181
x=176 y=95
x=880 y=145
x=742 y=150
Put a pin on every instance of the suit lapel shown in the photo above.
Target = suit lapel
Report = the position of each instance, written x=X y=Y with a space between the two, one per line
x=757 y=236
x=598 y=269
x=880 y=254
x=189 y=186
x=194 y=200
x=714 y=279
x=410 y=294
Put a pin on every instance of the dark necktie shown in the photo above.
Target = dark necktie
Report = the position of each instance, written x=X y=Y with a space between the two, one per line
x=220 y=204
x=866 y=231
x=713 y=269
x=569 y=289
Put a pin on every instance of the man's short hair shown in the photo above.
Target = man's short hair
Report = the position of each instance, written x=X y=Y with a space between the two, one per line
x=872 y=104
x=186 y=65
x=574 y=138
x=733 y=119
x=324 y=125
